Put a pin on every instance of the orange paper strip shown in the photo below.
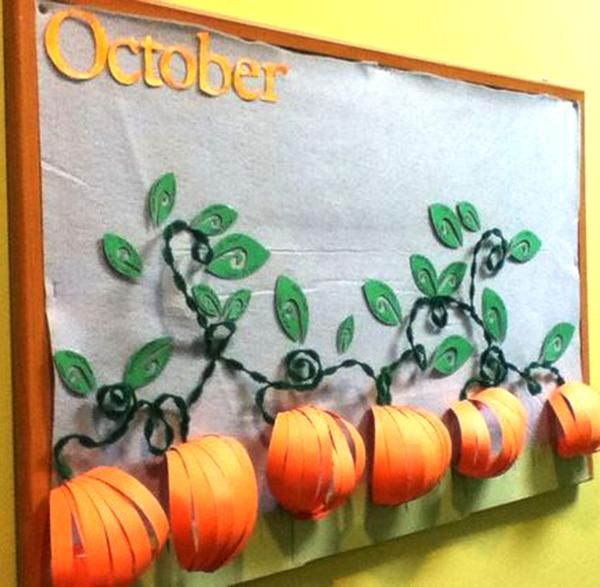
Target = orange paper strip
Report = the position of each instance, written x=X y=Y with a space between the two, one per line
x=576 y=409
x=213 y=501
x=315 y=460
x=100 y=525
x=476 y=456
x=411 y=454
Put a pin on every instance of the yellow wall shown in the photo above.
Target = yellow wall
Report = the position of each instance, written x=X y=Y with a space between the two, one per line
x=550 y=540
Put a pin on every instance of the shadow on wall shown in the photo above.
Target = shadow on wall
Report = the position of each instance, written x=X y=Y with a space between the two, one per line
x=409 y=553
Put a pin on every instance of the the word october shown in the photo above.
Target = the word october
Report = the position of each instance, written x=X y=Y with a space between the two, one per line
x=197 y=67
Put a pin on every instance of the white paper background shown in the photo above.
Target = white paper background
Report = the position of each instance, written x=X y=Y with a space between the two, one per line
x=334 y=179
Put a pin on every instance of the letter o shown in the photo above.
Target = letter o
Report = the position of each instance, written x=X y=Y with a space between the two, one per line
x=190 y=67
x=52 y=44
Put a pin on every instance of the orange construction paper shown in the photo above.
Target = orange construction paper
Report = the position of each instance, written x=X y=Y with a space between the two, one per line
x=131 y=521
x=213 y=501
x=103 y=525
x=576 y=408
x=476 y=456
x=411 y=454
x=315 y=460
x=121 y=557
x=139 y=496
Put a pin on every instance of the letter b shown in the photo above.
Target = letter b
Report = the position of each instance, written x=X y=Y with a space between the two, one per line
x=206 y=60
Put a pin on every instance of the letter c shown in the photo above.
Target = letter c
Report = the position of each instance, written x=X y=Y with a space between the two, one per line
x=52 y=44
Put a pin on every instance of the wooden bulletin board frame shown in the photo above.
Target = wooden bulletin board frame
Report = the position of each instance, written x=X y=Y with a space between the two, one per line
x=32 y=371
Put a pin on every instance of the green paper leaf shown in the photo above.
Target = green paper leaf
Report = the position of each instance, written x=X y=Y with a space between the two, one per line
x=148 y=362
x=451 y=278
x=446 y=225
x=557 y=342
x=382 y=302
x=162 y=198
x=345 y=334
x=215 y=219
x=468 y=216
x=452 y=354
x=236 y=305
x=122 y=256
x=75 y=372
x=207 y=300
x=291 y=308
x=236 y=256
x=424 y=274
x=524 y=246
x=495 y=318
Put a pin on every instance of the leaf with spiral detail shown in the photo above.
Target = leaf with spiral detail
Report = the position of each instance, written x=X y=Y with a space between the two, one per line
x=207 y=300
x=75 y=372
x=494 y=314
x=424 y=274
x=237 y=303
x=122 y=256
x=345 y=334
x=557 y=342
x=236 y=256
x=524 y=246
x=446 y=225
x=291 y=308
x=452 y=354
x=215 y=219
x=148 y=362
x=382 y=302
x=162 y=198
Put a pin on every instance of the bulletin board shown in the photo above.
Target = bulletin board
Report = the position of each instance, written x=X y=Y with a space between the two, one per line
x=335 y=167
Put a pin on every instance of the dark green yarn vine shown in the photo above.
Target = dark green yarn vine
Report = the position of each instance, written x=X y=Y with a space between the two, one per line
x=167 y=417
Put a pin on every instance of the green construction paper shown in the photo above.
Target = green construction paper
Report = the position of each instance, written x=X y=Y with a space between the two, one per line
x=524 y=246
x=237 y=303
x=451 y=354
x=291 y=308
x=493 y=311
x=148 y=362
x=215 y=219
x=446 y=225
x=469 y=216
x=75 y=372
x=345 y=334
x=236 y=256
x=382 y=302
x=162 y=198
x=451 y=278
x=424 y=274
x=122 y=256
x=556 y=342
x=207 y=300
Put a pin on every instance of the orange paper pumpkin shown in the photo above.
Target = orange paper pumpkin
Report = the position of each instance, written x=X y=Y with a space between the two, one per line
x=476 y=455
x=315 y=460
x=213 y=501
x=105 y=529
x=576 y=407
x=411 y=454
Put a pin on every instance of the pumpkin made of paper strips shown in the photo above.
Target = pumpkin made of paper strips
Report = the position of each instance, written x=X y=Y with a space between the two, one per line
x=106 y=528
x=491 y=431
x=576 y=410
x=411 y=453
x=315 y=460
x=213 y=501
